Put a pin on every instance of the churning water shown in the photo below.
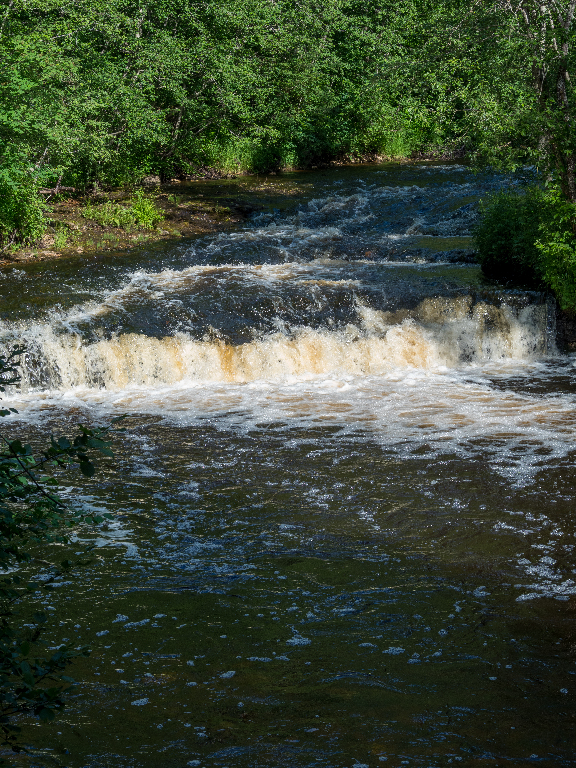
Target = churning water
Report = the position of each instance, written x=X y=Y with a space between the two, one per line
x=342 y=525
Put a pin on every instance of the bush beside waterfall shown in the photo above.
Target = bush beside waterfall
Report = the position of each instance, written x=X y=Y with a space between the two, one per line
x=22 y=210
x=526 y=238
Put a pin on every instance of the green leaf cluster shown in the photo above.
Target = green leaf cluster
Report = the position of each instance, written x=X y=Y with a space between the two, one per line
x=111 y=91
x=22 y=210
x=32 y=517
x=556 y=246
x=507 y=232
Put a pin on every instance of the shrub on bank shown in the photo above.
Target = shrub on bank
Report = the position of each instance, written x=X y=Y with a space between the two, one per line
x=507 y=233
x=140 y=212
x=527 y=238
x=145 y=211
x=556 y=246
x=21 y=207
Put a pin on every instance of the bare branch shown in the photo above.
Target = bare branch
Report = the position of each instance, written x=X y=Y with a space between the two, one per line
x=40 y=162
x=56 y=190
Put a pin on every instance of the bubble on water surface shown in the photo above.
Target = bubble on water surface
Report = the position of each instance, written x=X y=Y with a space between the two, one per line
x=259 y=658
x=132 y=624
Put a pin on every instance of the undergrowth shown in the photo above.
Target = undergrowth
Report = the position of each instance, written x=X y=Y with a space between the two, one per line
x=141 y=211
x=22 y=210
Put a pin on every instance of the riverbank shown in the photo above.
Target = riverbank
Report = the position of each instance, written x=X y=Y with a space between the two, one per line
x=96 y=222
x=78 y=224
x=209 y=201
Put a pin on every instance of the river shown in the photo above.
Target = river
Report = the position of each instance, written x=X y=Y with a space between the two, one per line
x=342 y=523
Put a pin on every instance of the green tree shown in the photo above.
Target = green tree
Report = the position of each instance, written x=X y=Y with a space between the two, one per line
x=546 y=30
x=113 y=90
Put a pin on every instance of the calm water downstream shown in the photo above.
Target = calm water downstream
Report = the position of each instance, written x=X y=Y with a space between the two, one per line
x=343 y=529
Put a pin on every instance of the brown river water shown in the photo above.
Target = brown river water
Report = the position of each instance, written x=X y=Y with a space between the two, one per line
x=342 y=526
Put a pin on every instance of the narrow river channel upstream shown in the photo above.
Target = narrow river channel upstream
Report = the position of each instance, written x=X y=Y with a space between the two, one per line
x=342 y=523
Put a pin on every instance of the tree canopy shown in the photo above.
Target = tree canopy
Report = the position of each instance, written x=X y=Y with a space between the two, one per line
x=113 y=90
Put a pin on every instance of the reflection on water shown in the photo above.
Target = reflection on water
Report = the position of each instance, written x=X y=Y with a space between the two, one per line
x=343 y=534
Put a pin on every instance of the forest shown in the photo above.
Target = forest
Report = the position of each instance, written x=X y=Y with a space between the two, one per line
x=105 y=93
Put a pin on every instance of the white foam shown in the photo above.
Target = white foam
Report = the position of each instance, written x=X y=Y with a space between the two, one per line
x=438 y=333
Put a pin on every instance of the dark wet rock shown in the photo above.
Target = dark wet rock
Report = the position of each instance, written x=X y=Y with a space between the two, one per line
x=458 y=256
x=422 y=255
x=566 y=330
x=245 y=208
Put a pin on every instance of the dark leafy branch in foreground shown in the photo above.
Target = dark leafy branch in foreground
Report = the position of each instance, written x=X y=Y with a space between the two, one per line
x=32 y=517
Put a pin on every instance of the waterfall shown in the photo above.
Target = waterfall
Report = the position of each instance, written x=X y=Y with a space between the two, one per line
x=438 y=332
